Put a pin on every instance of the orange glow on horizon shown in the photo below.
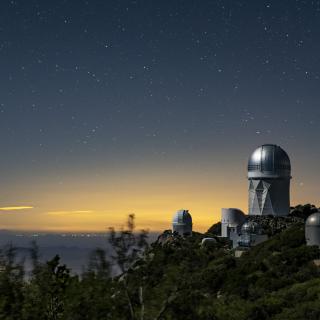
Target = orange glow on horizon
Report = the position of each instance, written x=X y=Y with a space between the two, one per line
x=87 y=203
x=15 y=208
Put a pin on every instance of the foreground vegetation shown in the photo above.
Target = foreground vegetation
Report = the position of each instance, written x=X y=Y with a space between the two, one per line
x=173 y=278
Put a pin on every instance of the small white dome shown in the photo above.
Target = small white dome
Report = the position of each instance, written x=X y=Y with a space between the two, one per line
x=207 y=242
x=232 y=216
x=182 y=222
x=313 y=219
x=312 y=229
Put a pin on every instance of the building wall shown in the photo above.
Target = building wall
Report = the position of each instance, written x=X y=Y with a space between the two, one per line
x=182 y=229
x=269 y=197
x=312 y=234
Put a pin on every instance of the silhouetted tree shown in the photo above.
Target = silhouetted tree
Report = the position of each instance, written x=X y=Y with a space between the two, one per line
x=11 y=284
x=127 y=248
x=47 y=290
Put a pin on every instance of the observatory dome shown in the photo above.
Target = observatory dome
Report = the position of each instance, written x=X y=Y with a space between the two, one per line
x=312 y=229
x=208 y=242
x=182 y=222
x=269 y=161
x=232 y=216
x=313 y=220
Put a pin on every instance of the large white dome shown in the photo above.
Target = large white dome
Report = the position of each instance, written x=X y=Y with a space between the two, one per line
x=269 y=161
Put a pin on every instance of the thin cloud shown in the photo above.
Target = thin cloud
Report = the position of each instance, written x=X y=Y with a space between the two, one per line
x=16 y=208
x=61 y=213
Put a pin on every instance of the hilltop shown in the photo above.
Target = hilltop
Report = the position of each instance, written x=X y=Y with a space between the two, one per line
x=274 y=280
x=174 y=278
x=277 y=279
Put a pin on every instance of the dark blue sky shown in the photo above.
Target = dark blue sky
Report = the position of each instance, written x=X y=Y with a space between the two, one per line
x=114 y=86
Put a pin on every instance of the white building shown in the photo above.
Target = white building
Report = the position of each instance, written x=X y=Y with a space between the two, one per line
x=182 y=223
x=312 y=229
x=269 y=174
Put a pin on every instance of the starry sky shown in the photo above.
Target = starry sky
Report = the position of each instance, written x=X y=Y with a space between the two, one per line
x=112 y=107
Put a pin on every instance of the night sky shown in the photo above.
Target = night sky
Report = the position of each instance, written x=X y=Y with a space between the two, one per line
x=112 y=107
